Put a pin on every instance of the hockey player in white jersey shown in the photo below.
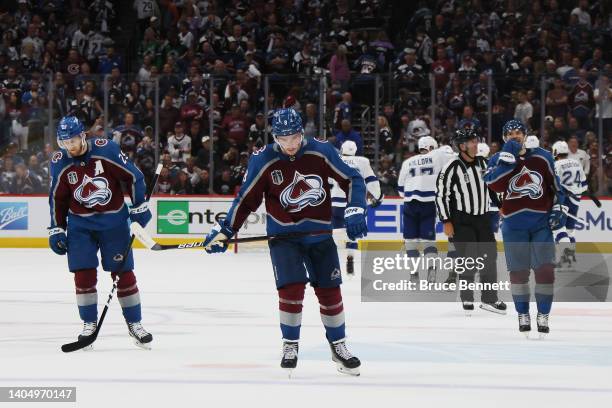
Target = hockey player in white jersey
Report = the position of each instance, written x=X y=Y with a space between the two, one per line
x=573 y=180
x=362 y=165
x=417 y=184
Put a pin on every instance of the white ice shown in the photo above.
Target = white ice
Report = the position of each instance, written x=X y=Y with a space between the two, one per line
x=217 y=340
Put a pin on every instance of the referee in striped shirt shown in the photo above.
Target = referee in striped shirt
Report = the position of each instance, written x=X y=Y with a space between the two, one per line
x=462 y=202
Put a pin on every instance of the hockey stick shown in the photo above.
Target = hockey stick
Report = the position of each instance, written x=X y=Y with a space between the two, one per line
x=144 y=237
x=594 y=199
x=581 y=220
x=80 y=344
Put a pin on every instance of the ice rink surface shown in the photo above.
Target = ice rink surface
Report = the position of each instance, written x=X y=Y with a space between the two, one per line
x=214 y=320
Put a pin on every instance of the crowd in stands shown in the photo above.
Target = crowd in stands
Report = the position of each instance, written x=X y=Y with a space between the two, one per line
x=460 y=60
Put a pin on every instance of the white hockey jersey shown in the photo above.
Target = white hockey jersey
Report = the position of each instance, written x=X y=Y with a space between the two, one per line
x=572 y=177
x=417 y=178
x=362 y=165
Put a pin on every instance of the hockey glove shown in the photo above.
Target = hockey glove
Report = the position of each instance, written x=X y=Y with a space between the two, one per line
x=141 y=214
x=510 y=152
x=58 y=242
x=375 y=202
x=557 y=217
x=356 y=226
x=216 y=240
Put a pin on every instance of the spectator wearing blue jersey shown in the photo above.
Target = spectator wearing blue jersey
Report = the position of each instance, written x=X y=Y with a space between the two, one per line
x=348 y=133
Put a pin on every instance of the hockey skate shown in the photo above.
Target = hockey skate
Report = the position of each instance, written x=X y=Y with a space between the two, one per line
x=524 y=323
x=542 y=321
x=290 y=355
x=431 y=274
x=88 y=329
x=350 y=265
x=346 y=363
x=567 y=258
x=142 y=338
x=468 y=307
x=497 y=307
x=452 y=278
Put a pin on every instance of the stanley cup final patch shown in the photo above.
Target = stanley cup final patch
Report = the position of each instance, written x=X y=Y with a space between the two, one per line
x=277 y=177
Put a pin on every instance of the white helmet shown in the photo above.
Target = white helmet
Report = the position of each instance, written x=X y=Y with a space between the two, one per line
x=348 y=148
x=483 y=150
x=532 y=142
x=418 y=128
x=560 y=147
x=447 y=149
x=427 y=143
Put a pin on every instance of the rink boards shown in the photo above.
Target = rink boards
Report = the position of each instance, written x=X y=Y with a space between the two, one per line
x=24 y=221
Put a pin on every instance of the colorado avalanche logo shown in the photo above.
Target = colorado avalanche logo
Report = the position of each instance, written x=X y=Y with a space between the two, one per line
x=302 y=192
x=93 y=191
x=527 y=183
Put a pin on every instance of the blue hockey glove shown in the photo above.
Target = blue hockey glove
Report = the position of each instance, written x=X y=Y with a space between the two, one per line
x=557 y=217
x=216 y=240
x=58 y=242
x=356 y=226
x=141 y=214
x=510 y=152
x=375 y=202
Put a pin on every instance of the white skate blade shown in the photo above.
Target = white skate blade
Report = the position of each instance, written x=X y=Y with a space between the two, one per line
x=88 y=348
x=348 y=371
x=289 y=372
x=489 y=308
x=144 y=346
x=542 y=336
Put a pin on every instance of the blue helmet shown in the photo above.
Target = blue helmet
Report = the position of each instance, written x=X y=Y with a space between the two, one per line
x=514 y=124
x=286 y=122
x=69 y=127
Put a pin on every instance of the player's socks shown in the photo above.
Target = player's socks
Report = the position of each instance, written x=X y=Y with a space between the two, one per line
x=545 y=278
x=85 y=281
x=346 y=363
x=290 y=298
x=520 y=290
x=332 y=312
x=129 y=297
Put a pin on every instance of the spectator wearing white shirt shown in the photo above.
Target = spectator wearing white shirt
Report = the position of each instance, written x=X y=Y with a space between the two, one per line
x=603 y=103
x=578 y=154
x=179 y=146
x=524 y=109
x=584 y=18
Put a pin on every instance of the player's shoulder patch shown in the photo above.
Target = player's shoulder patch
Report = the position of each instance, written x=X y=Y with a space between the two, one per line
x=320 y=141
x=57 y=156
x=259 y=151
x=101 y=142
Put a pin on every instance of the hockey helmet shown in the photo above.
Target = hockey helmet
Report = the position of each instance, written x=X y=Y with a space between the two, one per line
x=532 y=142
x=286 y=122
x=463 y=135
x=427 y=143
x=348 y=148
x=513 y=124
x=69 y=127
x=560 y=147
x=483 y=150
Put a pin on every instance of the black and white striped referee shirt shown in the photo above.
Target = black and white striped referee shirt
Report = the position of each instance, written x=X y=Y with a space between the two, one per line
x=461 y=187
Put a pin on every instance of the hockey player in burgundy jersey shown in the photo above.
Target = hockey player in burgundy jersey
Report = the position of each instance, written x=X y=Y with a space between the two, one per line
x=292 y=175
x=88 y=213
x=531 y=209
